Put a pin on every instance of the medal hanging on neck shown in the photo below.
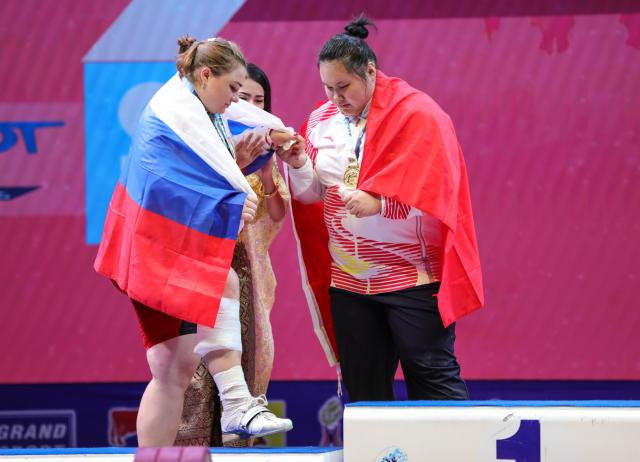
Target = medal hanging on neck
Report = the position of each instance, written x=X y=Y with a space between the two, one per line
x=218 y=124
x=352 y=171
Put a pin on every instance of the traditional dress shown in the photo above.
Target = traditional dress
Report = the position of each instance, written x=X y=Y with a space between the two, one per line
x=251 y=261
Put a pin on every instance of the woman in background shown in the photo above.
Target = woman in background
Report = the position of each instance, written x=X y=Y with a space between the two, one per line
x=257 y=281
x=267 y=183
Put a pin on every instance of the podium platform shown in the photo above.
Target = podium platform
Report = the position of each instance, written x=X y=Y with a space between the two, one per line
x=472 y=431
x=488 y=431
x=301 y=454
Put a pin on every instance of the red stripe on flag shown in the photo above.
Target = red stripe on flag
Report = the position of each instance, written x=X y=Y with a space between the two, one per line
x=161 y=263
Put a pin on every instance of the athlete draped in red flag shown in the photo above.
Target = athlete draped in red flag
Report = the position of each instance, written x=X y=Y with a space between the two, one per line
x=396 y=262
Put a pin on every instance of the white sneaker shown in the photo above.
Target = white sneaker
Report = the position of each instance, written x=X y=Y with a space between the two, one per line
x=253 y=420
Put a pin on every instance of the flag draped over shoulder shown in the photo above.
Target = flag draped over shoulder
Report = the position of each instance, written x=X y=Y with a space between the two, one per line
x=243 y=117
x=412 y=155
x=175 y=213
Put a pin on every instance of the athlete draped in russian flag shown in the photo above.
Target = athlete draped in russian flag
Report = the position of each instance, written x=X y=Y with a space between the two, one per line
x=169 y=237
x=397 y=262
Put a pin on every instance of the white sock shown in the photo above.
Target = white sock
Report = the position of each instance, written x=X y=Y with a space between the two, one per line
x=232 y=387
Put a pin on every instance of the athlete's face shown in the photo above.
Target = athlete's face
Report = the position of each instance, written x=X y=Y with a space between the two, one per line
x=347 y=90
x=217 y=92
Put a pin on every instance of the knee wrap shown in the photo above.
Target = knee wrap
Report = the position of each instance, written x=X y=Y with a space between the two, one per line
x=225 y=334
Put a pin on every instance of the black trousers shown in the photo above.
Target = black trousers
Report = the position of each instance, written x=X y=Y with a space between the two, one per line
x=374 y=332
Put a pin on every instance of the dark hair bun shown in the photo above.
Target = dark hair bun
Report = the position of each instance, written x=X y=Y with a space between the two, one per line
x=185 y=42
x=358 y=27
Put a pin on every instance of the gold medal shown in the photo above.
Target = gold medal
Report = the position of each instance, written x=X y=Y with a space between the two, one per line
x=351 y=175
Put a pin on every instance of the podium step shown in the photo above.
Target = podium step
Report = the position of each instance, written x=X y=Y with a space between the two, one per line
x=520 y=431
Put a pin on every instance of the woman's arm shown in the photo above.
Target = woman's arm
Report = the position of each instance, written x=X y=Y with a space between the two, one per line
x=274 y=201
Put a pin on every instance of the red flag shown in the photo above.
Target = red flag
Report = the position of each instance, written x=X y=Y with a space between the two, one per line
x=411 y=155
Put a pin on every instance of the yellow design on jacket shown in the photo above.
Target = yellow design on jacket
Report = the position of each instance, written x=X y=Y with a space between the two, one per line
x=351 y=264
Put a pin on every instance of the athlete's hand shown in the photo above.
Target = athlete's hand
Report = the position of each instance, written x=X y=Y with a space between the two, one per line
x=361 y=204
x=250 y=208
x=295 y=155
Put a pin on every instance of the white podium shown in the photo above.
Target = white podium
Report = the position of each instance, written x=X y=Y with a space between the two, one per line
x=488 y=431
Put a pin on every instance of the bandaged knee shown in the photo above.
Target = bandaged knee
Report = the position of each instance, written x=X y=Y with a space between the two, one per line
x=225 y=335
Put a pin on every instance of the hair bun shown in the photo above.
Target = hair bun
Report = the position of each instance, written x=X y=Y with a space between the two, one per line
x=358 y=28
x=185 y=42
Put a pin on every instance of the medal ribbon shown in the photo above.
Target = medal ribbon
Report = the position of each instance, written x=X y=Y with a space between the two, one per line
x=356 y=150
x=218 y=124
x=222 y=132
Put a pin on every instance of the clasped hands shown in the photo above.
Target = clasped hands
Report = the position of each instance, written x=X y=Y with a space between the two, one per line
x=250 y=147
x=358 y=203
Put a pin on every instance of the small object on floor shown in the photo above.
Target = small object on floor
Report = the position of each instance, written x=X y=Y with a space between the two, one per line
x=173 y=454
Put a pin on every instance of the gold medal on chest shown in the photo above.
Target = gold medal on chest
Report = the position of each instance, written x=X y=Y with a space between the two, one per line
x=351 y=175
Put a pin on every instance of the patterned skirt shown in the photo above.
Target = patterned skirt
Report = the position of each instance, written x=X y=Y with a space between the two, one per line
x=200 y=424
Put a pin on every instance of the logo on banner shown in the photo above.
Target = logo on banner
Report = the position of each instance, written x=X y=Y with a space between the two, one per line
x=122 y=425
x=330 y=416
x=10 y=135
x=523 y=445
x=392 y=454
x=11 y=192
x=9 y=132
x=38 y=429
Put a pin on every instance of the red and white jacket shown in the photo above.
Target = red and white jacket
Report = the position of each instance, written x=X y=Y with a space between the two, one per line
x=397 y=249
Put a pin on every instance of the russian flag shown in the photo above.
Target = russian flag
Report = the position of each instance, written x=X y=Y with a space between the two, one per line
x=176 y=210
x=243 y=118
